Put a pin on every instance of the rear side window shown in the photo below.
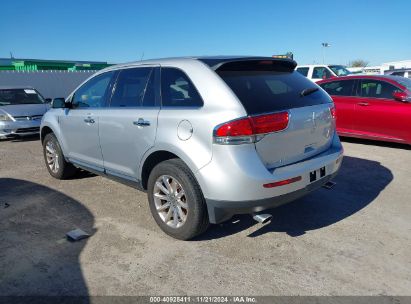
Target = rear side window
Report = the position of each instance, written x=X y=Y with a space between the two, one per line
x=321 y=73
x=377 y=89
x=339 y=88
x=177 y=90
x=303 y=71
x=270 y=91
x=131 y=88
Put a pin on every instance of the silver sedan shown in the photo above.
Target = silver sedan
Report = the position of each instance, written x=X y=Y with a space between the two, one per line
x=21 y=111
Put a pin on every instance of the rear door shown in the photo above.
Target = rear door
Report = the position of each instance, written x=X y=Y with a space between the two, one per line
x=343 y=95
x=128 y=127
x=311 y=126
x=80 y=124
x=377 y=114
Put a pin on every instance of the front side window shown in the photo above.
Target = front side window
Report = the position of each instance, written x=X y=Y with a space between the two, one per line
x=303 y=71
x=132 y=87
x=177 y=90
x=377 y=89
x=321 y=73
x=93 y=93
x=19 y=96
x=339 y=88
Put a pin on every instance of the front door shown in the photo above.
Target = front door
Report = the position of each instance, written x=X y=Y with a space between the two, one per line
x=377 y=114
x=128 y=128
x=80 y=123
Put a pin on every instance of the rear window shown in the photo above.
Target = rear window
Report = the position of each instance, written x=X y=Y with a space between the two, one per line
x=19 y=96
x=270 y=91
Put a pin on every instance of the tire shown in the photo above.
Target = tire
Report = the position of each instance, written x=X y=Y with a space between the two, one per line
x=195 y=212
x=62 y=169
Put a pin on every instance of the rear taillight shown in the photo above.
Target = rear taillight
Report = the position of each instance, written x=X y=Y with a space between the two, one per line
x=249 y=129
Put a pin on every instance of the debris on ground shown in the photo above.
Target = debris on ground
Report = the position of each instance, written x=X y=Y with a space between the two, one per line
x=77 y=235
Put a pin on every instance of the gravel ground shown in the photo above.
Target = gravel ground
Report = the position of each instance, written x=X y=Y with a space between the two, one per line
x=352 y=240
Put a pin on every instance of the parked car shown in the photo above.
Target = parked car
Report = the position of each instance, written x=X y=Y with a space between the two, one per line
x=317 y=72
x=207 y=138
x=21 y=110
x=399 y=72
x=373 y=107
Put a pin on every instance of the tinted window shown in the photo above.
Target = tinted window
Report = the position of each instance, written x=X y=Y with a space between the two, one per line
x=409 y=74
x=398 y=74
x=339 y=88
x=131 y=88
x=340 y=70
x=321 y=73
x=19 y=96
x=177 y=90
x=93 y=93
x=303 y=71
x=269 y=91
x=405 y=82
x=377 y=89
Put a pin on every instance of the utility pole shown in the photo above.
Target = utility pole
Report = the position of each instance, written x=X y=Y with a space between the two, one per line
x=325 y=45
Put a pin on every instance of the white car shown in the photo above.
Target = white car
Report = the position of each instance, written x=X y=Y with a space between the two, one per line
x=317 y=72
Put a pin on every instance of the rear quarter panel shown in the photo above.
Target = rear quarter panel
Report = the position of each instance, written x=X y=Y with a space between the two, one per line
x=220 y=105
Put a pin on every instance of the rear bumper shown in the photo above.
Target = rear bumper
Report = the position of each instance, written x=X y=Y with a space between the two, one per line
x=220 y=211
x=233 y=182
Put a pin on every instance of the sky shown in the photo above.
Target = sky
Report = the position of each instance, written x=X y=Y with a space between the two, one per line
x=127 y=30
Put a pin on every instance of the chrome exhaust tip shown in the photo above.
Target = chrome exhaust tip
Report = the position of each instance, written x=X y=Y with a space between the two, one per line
x=262 y=218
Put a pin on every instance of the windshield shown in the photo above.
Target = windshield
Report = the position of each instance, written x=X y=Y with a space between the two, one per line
x=339 y=70
x=19 y=96
x=406 y=82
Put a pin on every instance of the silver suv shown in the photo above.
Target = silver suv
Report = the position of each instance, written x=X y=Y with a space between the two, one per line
x=206 y=137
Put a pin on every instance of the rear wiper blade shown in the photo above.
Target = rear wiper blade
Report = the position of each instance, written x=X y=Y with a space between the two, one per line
x=308 y=91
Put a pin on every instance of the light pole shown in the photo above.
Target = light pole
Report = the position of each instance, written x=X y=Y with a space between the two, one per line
x=325 y=45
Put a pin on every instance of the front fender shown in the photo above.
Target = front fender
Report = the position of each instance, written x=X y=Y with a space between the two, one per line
x=51 y=120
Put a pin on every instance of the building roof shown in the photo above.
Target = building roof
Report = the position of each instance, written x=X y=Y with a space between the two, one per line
x=10 y=60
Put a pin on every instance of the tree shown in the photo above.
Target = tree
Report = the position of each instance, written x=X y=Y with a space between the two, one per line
x=358 y=63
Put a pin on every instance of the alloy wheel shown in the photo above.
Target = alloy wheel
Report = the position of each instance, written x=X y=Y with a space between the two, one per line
x=52 y=156
x=170 y=201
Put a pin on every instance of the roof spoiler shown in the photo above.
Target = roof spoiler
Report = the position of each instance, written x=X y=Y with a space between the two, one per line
x=256 y=64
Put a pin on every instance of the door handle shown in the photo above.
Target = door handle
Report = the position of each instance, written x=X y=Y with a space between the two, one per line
x=364 y=104
x=89 y=120
x=141 y=123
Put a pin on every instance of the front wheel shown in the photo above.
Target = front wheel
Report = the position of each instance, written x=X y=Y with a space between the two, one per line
x=176 y=201
x=57 y=166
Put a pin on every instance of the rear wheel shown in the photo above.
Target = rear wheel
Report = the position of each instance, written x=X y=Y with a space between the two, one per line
x=176 y=201
x=57 y=166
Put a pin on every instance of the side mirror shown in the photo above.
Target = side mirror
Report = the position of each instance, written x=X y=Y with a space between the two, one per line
x=47 y=100
x=58 y=103
x=400 y=96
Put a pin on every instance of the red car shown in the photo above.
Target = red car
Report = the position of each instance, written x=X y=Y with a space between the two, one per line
x=373 y=107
